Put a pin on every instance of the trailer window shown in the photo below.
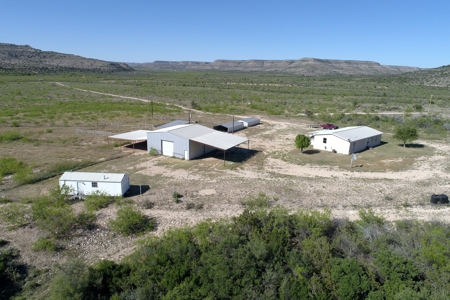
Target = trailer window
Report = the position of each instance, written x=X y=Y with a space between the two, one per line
x=94 y=184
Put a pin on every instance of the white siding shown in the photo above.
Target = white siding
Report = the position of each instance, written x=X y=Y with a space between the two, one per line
x=87 y=187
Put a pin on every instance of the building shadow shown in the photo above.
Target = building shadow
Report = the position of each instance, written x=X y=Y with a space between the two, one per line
x=236 y=154
x=136 y=190
x=137 y=146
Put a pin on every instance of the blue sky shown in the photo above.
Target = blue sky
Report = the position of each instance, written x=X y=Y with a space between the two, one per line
x=395 y=32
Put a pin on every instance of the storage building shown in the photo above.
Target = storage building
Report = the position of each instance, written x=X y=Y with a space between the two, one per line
x=85 y=183
x=190 y=141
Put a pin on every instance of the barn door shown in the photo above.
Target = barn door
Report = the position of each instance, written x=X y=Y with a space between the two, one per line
x=167 y=148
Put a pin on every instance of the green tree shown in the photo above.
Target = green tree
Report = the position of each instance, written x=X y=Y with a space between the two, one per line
x=406 y=134
x=302 y=141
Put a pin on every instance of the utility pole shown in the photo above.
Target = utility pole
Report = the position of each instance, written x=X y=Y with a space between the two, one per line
x=429 y=105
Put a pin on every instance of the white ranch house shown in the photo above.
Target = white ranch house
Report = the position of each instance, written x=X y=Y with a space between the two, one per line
x=85 y=183
x=346 y=140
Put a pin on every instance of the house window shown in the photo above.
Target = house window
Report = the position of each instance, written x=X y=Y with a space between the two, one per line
x=324 y=140
x=94 y=184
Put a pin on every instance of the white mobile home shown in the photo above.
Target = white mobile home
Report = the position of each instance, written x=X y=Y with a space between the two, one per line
x=248 y=122
x=229 y=127
x=190 y=141
x=346 y=140
x=85 y=183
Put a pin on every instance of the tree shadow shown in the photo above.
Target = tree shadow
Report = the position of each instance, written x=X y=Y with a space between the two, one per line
x=310 y=152
x=413 y=146
x=136 y=190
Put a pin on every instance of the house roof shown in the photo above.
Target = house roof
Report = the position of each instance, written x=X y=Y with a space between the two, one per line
x=137 y=135
x=349 y=133
x=92 y=177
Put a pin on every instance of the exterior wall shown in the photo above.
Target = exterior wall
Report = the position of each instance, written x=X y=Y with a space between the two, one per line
x=237 y=127
x=342 y=146
x=154 y=140
x=85 y=187
x=333 y=143
x=197 y=149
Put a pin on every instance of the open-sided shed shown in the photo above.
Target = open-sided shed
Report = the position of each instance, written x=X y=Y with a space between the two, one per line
x=85 y=183
x=190 y=141
x=134 y=137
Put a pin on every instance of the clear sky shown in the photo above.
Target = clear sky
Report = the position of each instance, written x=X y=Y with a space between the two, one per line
x=395 y=32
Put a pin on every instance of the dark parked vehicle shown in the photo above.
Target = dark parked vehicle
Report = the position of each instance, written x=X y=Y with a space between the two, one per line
x=329 y=126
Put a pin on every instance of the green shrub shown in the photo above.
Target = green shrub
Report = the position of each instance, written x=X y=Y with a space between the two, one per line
x=176 y=197
x=260 y=201
x=153 y=152
x=53 y=213
x=130 y=221
x=86 y=219
x=43 y=244
x=98 y=200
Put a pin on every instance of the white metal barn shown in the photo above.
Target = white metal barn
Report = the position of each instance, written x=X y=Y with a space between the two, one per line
x=248 y=122
x=346 y=140
x=85 y=183
x=190 y=141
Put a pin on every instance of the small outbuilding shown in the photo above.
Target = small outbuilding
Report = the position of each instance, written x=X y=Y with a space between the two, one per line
x=229 y=127
x=248 y=122
x=85 y=183
x=346 y=140
x=190 y=141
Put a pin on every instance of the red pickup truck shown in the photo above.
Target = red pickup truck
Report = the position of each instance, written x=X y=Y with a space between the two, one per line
x=329 y=126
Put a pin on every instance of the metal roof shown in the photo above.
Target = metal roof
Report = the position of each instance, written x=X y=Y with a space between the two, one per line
x=251 y=119
x=191 y=131
x=92 y=177
x=137 y=135
x=349 y=133
x=220 y=140
x=205 y=135
x=173 y=123
x=230 y=124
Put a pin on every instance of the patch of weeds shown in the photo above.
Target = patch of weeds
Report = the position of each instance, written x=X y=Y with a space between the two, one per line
x=199 y=206
x=5 y=201
x=254 y=202
x=388 y=198
x=16 y=214
x=98 y=200
x=147 y=204
x=86 y=219
x=406 y=204
x=43 y=244
x=119 y=201
x=190 y=205
x=176 y=197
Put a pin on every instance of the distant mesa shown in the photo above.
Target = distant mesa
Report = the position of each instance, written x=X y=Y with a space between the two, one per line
x=25 y=59
x=304 y=66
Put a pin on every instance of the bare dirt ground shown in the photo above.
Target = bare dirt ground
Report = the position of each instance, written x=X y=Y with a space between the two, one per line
x=220 y=190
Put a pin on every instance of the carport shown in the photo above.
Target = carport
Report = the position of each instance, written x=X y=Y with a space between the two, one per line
x=221 y=141
x=134 y=137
